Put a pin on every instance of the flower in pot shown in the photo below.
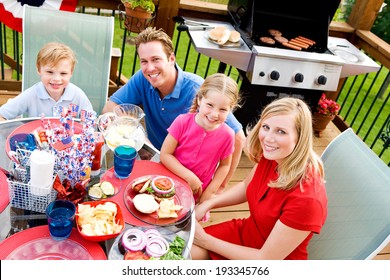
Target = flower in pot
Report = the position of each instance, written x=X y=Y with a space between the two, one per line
x=139 y=14
x=325 y=112
x=147 y=5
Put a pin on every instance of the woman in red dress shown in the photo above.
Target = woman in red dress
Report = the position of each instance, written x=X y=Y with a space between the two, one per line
x=285 y=192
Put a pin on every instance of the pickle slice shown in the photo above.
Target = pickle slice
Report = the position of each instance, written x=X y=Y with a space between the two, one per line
x=107 y=188
x=95 y=192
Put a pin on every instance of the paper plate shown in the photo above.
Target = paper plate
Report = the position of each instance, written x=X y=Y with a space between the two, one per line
x=347 y=56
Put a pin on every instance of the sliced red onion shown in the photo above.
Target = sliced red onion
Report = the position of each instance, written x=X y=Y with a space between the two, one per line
x=150 y=233
x=157 y=247
x=134 y=240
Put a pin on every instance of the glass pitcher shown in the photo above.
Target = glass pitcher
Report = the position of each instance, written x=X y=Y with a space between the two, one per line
x=123 y=127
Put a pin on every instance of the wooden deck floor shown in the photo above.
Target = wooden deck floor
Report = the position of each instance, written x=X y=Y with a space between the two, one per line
x=241 y=211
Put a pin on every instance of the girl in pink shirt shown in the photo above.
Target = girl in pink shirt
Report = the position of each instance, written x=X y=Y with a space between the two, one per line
x=199 y=145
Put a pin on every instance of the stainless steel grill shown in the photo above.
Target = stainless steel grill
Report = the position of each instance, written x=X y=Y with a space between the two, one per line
x=274 y=70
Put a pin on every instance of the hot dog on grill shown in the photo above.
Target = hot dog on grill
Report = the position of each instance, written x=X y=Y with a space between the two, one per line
x=297 y=40
x=310 y=42
x=298 y=44
x=288 y=45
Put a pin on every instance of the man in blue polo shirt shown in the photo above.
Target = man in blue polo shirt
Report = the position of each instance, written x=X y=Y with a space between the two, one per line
x=165 y=91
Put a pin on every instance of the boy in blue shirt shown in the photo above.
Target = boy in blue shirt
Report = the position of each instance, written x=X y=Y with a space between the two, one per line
x=55 y=65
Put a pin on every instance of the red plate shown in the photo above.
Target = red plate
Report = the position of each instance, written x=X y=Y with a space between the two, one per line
x=31 y=126
x=183 y=198
x=36 y=244
x=4 y=195
x=118 y=219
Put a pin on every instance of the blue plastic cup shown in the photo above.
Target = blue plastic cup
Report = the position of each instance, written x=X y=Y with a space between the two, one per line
x=124 y=158
x=60 y=218
x=24 y=141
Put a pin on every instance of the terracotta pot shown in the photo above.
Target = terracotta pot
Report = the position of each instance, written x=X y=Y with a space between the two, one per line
x=138 y=19
x=320 y=122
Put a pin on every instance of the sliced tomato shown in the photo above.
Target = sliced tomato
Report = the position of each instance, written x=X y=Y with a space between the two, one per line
x=137 y=255
x=163 y=184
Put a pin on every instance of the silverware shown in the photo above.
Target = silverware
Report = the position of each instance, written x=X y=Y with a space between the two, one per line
x=195 y=28
x=191 y=25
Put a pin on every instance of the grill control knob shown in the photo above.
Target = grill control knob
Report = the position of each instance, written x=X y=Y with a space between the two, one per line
x=274 y=75
x=322 y=80
x=298 y=78
x=261 y=74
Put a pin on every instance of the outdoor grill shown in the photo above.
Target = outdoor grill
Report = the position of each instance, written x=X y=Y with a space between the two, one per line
x=270 y=71
x=296 y=69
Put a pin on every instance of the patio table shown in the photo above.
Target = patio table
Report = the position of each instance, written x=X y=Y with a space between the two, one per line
x=15 y=220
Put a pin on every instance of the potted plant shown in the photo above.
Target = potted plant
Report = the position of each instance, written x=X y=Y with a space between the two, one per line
x=139 y=14
x=325 y=112
x=147 y=5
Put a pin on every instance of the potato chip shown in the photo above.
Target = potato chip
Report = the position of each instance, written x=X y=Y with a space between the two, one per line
x=99 y=220
x=168 y=209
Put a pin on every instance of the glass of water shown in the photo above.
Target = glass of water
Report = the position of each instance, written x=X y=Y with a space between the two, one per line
x=60 y=218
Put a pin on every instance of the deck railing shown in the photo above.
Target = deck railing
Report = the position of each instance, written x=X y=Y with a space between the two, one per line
x=364 y=99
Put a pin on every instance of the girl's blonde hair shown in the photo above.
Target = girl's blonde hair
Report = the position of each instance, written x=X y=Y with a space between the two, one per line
x=53 y=52
x=221 y=83
x=303 y=161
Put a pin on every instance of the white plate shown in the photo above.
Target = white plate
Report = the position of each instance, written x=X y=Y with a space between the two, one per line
x=228 y=44
x=346 y=55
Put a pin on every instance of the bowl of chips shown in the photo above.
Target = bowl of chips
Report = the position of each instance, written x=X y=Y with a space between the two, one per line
x=99 y=220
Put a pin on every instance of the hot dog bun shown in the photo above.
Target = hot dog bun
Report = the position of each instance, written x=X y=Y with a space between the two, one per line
x=221 y=34
x=217 y=33
x=225 y=37
x=141 y=184
x=234 y=36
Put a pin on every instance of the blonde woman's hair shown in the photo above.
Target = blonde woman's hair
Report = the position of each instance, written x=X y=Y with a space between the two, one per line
x=53 y=52
x=220 y=83
x=303 y=161
x=151 y=34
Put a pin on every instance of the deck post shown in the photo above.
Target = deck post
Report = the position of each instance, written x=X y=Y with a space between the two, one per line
x=167 y=9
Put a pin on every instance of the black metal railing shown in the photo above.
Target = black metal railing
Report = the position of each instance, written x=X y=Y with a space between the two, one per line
x=365 y=106
x=364 y=99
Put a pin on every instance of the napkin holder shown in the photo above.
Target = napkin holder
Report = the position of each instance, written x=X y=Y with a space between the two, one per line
x=21 y=194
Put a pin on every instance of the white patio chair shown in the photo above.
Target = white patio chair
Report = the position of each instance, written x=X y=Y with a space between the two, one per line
x=358 y=188
x=89 y=36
